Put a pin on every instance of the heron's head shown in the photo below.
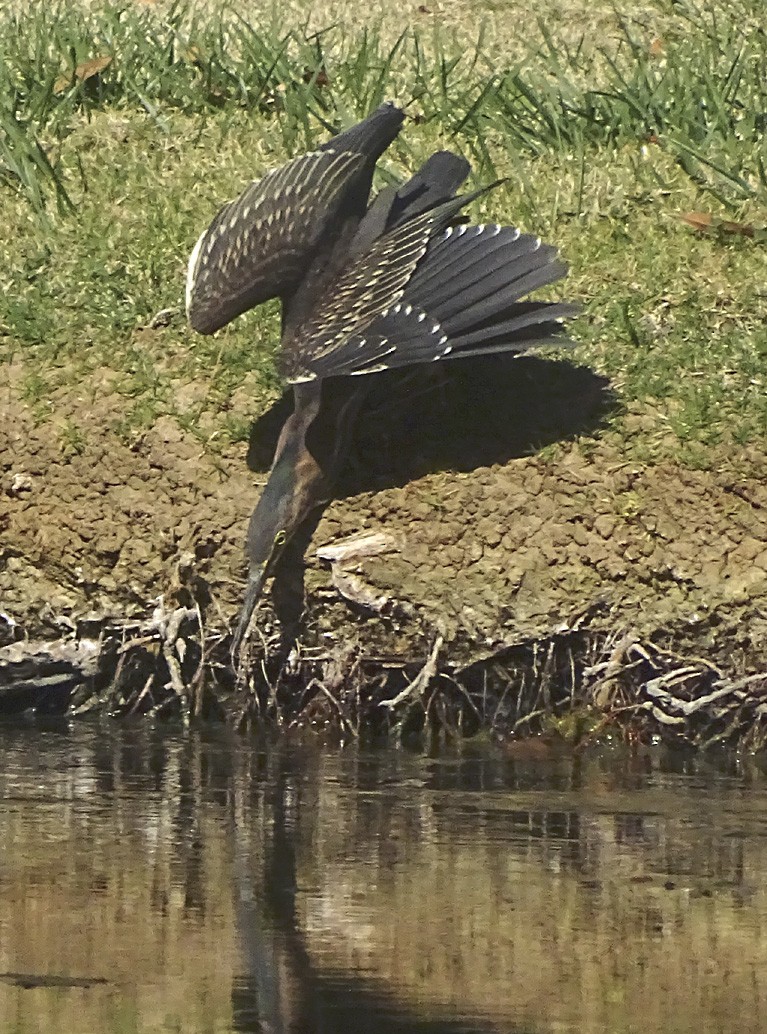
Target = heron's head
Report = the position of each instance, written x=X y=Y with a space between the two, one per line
x=287 y=498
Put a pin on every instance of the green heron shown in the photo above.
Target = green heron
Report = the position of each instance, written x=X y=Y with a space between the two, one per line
x=364 y=287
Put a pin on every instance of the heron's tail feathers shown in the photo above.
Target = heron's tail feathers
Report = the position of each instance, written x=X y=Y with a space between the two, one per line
x=435 y=183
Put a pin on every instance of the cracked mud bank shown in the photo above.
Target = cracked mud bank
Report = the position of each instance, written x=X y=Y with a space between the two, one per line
x=487 y=542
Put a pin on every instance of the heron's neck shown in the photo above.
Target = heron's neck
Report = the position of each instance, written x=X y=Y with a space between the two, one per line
x=307 y=399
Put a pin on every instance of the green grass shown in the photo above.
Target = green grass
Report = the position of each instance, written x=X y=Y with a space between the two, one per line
x=105 y=183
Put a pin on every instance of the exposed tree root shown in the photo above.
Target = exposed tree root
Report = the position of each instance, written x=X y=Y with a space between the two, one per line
x=579 y=682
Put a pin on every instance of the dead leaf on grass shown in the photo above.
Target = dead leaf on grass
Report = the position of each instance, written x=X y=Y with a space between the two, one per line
x=704 y=222
x=319 y=77
x=193 y=56
x=85 y=71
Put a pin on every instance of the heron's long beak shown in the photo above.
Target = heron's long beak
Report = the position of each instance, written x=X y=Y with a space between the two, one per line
x=279 y=512
x=256 y=579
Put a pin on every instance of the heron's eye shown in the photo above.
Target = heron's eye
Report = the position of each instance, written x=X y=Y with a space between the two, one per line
x=279 y=538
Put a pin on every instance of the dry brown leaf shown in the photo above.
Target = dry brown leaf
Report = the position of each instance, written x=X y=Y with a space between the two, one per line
x=320 y=77
x=83 y=72
x=704 y=222
x=698 y=220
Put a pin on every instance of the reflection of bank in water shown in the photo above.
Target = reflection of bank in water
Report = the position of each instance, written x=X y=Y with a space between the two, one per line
x=526 y=896
x=203 y=874
x=282 y=988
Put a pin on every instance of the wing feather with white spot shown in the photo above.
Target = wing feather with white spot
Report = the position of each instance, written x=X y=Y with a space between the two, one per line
x=365 y=292
x=258 y=245
x=463 y=297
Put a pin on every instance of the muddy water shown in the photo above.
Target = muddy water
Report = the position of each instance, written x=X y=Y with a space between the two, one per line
x=159 y=882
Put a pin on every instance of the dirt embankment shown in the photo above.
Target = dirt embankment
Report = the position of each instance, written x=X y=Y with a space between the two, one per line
x=489 y=543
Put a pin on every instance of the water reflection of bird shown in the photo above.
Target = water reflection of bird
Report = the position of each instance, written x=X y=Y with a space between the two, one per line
x=364 y=288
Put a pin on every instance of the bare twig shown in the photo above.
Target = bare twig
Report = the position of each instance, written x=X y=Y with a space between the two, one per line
x=420 y=683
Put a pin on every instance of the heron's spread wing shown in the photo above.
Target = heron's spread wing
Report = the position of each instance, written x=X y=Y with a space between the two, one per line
x=258 y=245
x=365 y=291
x=459 y=294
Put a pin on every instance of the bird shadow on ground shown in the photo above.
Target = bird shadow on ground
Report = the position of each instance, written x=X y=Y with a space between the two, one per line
x=449 y=416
